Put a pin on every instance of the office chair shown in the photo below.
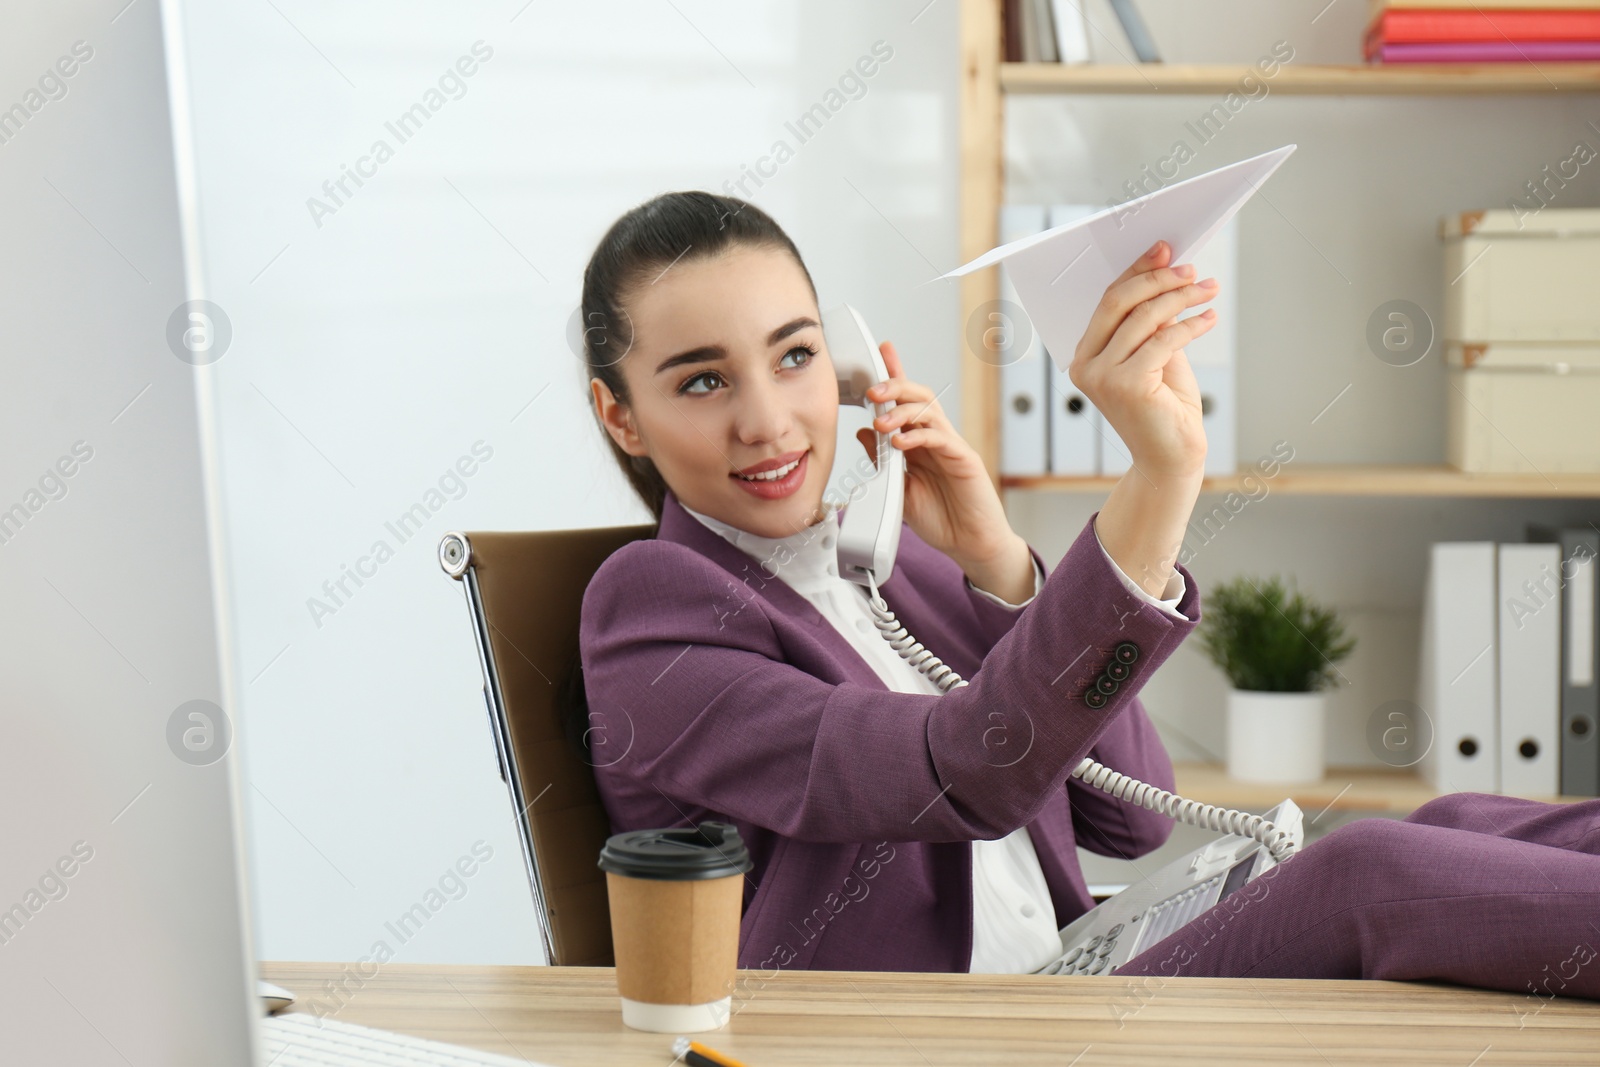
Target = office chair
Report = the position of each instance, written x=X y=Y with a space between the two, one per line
x=524 y=593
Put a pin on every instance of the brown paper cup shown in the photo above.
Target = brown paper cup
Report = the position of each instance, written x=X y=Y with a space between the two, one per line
x=675 y=924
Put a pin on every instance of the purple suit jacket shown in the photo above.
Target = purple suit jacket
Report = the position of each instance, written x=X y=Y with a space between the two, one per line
x=721 y=693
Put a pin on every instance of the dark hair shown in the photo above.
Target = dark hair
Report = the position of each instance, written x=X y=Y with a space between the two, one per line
x=671 y=228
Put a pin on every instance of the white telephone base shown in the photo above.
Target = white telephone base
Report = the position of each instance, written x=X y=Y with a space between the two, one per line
x=1118 y=929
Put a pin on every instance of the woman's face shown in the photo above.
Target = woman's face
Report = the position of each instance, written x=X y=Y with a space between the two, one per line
x=728 y=372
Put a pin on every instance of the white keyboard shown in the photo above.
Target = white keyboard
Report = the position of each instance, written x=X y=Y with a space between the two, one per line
x=298 y=1039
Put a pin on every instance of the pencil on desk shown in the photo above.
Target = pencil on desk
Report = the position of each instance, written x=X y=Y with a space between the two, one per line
x=697 y=1055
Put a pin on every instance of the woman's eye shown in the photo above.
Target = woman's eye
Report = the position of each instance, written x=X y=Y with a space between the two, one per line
x=685 y=390
x=809 y=352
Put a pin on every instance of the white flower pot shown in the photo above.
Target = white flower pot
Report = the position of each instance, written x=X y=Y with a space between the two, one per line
x=1275 y=737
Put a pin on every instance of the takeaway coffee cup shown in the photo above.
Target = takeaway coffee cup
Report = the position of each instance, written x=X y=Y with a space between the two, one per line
x=675 y=905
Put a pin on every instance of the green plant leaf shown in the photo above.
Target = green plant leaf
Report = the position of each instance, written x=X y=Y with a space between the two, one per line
x=1268 y=638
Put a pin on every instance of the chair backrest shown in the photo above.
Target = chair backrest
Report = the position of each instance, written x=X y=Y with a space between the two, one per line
x=525 y=591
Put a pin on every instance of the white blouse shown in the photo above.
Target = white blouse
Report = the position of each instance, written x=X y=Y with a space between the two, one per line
x=1013 y=919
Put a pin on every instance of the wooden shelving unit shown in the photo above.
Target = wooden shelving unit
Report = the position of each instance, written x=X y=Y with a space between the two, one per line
x=986 y=81
x=1343 y=789
x=1358 y=480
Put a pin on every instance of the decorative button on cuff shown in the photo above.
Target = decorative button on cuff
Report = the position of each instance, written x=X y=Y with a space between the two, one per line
x=1117 y=671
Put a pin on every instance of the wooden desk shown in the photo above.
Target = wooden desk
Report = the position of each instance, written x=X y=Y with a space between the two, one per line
x=570 y=1017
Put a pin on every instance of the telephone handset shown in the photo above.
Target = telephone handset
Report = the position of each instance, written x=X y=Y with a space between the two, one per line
x=869 y=536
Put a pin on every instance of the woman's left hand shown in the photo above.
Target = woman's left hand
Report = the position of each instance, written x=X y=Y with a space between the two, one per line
x=950 y=499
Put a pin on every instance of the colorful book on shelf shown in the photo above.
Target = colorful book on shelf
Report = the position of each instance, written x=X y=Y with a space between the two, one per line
x=1485 y=52
x=1011 y=41
x=1378 y=7
x=1029 y=32
x=1484 y=24
x=1463 y=34
x=1057 y=31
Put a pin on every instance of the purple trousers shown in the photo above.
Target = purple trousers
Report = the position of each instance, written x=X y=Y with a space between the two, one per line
x=1477 y=889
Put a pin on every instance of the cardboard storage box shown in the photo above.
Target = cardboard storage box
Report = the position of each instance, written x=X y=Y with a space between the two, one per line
x=1530 y=278
x=1521 y=336
x=1523 y=407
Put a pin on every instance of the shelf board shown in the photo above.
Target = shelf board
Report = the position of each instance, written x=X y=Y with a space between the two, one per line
x=1419 y=79
x=1380 y=789
x=1370 y=789
x=1354 y=480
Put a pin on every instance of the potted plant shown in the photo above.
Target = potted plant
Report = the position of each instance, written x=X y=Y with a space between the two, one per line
x=1279 y=651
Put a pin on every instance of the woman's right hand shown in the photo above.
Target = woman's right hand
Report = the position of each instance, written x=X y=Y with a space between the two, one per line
x=1130 y=363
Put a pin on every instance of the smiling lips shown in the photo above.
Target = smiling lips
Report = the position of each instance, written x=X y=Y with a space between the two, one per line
x=778 y=465
x=775 y=478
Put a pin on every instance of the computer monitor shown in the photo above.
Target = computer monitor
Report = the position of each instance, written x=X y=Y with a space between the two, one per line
x=123 y=916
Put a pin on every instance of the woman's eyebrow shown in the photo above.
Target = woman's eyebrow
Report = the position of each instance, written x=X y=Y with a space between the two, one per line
x=711 y=353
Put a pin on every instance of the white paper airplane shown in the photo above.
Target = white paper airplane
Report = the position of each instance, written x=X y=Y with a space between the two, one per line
x=1062 y=273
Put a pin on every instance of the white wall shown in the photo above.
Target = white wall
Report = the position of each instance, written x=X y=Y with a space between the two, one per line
x=429 y=312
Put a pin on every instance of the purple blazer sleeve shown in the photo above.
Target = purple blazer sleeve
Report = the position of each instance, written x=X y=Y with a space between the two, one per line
x=1113 y=827
x=720 y=719
x=1130 y=745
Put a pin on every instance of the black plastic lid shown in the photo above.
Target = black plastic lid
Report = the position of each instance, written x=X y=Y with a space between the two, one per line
x=710 y=850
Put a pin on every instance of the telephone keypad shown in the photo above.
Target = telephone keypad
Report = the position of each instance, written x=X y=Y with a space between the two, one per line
x=1091 y=957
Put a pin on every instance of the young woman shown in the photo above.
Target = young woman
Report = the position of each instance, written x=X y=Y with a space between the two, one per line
x=732 y=674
